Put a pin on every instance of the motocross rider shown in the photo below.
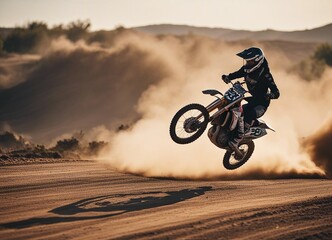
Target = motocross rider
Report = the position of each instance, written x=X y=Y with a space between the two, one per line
x=258 y=78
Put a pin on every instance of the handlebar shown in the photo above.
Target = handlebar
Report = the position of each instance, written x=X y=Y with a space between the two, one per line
x=241 y=83
x=239 y=88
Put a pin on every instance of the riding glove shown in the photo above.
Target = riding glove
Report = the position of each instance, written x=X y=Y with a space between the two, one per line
x=225 y=78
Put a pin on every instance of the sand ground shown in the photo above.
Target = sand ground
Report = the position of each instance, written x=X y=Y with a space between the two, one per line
x=88 y=200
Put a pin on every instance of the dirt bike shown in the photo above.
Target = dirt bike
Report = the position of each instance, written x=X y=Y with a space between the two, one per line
x=190 y=122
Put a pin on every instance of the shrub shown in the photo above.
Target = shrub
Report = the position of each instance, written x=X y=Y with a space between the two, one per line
x=26 y=39
x=35 y=36
x=71 y=144
x=324 y=53
x=313 y=67
x=95 y=147
x=10 y=141
x=310 y=69
x=78 y=30
x=40 y=148
x=1 y=45
x=123 y=127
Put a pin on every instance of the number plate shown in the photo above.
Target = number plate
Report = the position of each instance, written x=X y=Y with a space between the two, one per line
x=256 y=132
x=232 y=95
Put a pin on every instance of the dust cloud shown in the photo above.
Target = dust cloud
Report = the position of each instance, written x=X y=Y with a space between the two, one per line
x=147 y=149
x=13 y=70
x=319 y=147
x=76 y=87
x=142 y=81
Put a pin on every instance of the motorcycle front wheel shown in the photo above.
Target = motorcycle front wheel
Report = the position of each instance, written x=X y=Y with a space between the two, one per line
x=231 y=161
x=189 y=123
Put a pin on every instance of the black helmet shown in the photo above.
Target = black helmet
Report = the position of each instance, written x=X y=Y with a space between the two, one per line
x=254 y=58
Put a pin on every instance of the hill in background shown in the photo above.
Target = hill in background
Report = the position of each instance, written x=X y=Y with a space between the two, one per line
x=321 y=34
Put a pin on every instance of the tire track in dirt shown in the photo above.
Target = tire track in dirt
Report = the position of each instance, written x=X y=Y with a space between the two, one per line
x=301 y=220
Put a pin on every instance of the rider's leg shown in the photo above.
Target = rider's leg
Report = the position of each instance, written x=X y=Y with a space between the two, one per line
x=238 y=136
x=251 y=113
x=238 y=132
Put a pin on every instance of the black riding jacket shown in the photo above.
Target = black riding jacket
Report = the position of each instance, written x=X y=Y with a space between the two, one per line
x=258 y=82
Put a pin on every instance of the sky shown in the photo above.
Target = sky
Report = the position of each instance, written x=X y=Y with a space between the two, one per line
x=286 y=15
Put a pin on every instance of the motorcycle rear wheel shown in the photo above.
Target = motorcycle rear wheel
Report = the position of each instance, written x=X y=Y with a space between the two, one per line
x=230 y=160
x=185 y=127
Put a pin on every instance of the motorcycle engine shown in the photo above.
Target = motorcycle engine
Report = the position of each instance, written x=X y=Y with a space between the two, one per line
x=218 y=136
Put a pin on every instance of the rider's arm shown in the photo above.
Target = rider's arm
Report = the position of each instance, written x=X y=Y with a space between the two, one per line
x=238 y=74
x=274 y=94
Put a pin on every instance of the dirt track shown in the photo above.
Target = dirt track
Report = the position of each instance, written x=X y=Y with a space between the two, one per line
x=86 y=200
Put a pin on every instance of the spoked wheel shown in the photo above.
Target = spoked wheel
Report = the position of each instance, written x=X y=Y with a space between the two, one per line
x=189 y=123
x=232 y=161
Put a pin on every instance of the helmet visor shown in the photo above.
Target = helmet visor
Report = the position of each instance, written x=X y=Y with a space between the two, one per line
x=250 y=62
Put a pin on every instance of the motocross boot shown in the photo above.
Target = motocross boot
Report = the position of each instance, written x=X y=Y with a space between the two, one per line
x=239 y=134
